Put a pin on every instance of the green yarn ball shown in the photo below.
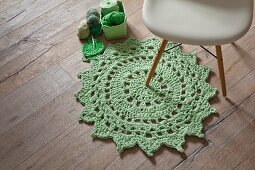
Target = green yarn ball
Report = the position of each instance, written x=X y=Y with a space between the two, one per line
x=93 y=20
x=83 y=31
x=113 y=19
x=108 y=6
x=92 y=12
x=96 y=30
x=117 y=18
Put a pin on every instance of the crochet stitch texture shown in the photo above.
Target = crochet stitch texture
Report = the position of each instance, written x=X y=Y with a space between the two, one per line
x=124 y=109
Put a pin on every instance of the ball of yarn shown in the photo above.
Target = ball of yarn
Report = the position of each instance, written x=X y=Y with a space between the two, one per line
x=83 y=31
x=108 y=6
x=113 y=19
x=117 y=18
x=96 y=30
x=93 y=20
x=92 y=12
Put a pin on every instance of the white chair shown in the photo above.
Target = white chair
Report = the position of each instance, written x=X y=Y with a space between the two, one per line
x=197 y=22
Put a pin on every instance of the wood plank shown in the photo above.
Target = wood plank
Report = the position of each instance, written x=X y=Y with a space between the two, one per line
x=127 y=160
x=136 y=29
x=65 y=151
x=246 y=164
x=41 y=32
x=27 y=99
x=233 y=142
x=36 y=9
x=237 y=151
x=56 y=120
x=106 y=152
x=45 y=26
x=5 y=5
x=73 y=65
x=70 y=147
x=11 y=9
x=33 y=68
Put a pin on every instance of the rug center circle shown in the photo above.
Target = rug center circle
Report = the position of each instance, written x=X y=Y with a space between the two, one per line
x=126 y=87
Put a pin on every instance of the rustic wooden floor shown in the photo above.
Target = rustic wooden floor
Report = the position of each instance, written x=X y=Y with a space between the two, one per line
x=39 y=59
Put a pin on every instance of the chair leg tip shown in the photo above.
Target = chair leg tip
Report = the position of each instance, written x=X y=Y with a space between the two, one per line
x=224 y=94
x=147 y=82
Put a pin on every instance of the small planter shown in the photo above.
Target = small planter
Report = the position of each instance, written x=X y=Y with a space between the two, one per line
x=118 y=31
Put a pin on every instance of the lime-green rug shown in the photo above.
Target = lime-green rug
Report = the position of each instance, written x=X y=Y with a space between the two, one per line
x=124 y=109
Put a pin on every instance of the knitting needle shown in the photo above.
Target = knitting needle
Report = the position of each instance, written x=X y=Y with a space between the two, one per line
x=93 y=41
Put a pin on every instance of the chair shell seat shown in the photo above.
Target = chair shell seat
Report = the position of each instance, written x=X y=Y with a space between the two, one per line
x=198 y=22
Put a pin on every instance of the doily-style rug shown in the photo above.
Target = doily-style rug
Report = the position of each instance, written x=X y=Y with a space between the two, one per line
x=122 y=108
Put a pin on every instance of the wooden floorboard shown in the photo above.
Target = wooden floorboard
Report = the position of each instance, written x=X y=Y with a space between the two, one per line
x=39 y=61
x=31 y=97
x=232 y=142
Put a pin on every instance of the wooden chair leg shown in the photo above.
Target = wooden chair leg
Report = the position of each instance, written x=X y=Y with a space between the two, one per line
x=155 y=62
x=221 y=69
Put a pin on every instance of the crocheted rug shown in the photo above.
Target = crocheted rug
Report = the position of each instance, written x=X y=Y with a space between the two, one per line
x=122 y=108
